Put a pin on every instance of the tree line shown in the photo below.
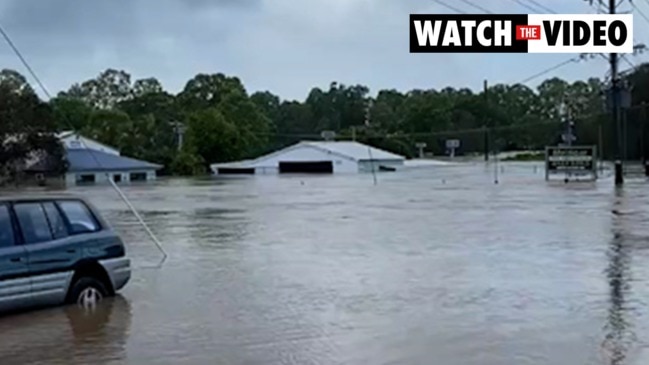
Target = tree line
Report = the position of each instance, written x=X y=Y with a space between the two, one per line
x=223 y=122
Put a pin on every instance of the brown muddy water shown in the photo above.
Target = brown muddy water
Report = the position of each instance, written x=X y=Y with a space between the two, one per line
x=431 y=266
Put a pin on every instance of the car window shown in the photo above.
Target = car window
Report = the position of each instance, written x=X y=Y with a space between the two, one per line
x=33 y=222
x=57 y=225
x=6 y=230
x=79 y=217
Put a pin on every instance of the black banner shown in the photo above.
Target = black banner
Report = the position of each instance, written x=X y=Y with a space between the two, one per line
x=570 y=159
x=470 y=33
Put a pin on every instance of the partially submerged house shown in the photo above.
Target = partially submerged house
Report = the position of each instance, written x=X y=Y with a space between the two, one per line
x=316 y=157
x=92 y=162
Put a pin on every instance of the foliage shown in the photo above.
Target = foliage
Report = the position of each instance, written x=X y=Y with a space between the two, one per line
x=188 y=164
x=27 y=131
x=222 y=122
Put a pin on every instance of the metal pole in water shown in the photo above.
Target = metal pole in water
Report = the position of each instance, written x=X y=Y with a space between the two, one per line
x=486 y=131
x=137 y=215
x=496 y=167
x=369 y=150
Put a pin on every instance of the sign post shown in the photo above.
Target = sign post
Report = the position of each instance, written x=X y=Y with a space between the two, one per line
x=452 y=144
x=421 y=146
x=571 y=161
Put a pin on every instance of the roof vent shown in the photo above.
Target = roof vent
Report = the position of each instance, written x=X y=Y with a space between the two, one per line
x=328 y=135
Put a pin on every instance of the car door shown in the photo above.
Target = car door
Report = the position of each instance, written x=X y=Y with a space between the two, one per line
x=14 y=279
x=51 y=252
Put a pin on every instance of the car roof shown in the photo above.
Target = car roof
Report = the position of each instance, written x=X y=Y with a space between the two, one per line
x=39 y=197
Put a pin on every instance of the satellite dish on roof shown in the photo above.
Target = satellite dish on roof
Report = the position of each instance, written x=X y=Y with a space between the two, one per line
x=328 y=135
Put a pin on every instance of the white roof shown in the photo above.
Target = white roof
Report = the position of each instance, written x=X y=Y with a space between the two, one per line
x=347 y=149
x=355 y=150
x=70 y=137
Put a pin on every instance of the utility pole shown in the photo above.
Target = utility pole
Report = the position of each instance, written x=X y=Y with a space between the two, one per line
x=615 y=104
x=179 y=129
x=486 y=131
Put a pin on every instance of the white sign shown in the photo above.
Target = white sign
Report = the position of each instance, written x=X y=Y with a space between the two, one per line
x=452 y=143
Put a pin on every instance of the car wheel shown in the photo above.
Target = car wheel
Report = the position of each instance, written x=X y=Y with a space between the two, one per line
x=87 y=292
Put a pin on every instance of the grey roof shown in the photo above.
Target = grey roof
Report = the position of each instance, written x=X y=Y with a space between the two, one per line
x=91 y=160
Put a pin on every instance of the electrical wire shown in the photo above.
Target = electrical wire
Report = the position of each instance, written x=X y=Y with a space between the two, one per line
x=449 y=6
x=153 y=237
x=541 y=6
x=472 y=4
x=642 y=14
x=548 y=70
x=519 y=2
x=24 y=61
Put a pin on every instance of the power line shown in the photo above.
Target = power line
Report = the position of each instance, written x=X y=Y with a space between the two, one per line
x=90 y=151
x=642 y=14
x=519 y=2
x=625 y=59
x=24 y=62
x=542 y=6
x=546 y=71
x=471 y=3
x=449 y=6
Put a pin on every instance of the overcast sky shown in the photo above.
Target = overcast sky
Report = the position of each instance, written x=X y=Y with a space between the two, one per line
x=285 y=46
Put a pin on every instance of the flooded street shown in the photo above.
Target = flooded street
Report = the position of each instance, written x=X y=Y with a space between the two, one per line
x=430 y=266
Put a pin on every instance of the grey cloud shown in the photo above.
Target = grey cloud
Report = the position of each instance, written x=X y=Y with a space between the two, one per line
x=106 y=18
x=219 y=3
x=285 y=46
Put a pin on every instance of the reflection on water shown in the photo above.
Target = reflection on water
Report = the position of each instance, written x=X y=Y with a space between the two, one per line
x=621 y=339
x=67 y=335
x=334 y=270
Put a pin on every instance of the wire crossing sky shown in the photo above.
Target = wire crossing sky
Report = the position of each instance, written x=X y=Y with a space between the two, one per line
x=284 y=46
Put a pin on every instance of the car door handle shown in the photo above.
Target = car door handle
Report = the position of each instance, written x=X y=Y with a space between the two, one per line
x=15 y=259
x=72 y=250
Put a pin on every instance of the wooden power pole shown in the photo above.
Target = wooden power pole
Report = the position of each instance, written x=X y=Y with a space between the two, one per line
x=615 y=108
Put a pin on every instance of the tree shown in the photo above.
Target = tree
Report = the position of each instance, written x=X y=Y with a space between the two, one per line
x=27 y=129
x=70 y=113
x=252 y=125
x=146 y=86
x=212 y=137
x=187 y=163
x=110 y=127
x=104 y=92
x=267 y=103
x=205 y=91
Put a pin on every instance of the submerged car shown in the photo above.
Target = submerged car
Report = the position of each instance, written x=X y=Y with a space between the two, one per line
x=57 y=250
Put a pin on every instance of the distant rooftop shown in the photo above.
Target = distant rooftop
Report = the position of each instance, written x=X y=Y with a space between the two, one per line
x=80 y=160
x=354 y=150
x=350 y=150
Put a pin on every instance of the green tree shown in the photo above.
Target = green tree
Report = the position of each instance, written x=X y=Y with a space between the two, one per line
x=104 y=92
x=213 y=137
x=27 y=129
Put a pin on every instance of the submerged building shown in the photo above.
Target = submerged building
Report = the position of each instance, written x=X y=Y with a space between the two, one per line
x=325 y=157
x=92 y=162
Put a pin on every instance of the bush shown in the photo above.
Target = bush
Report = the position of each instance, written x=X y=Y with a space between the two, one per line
x=188 y=164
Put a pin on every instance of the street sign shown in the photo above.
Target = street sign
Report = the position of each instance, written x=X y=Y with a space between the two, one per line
x=452 y=143
x=570 y=160
x=568 y=137
x=328 y=135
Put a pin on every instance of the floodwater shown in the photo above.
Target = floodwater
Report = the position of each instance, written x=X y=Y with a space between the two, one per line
x=435 y=265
